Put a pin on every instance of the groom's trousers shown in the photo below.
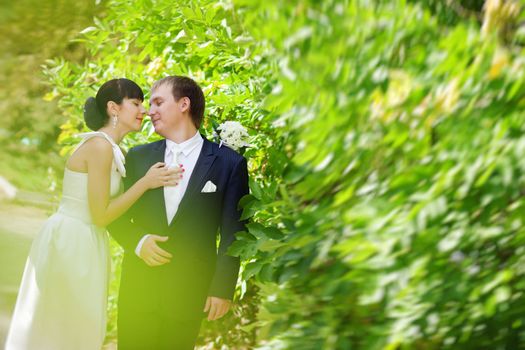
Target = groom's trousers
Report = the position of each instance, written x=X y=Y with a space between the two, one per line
x=161 y=307
x=150 y=331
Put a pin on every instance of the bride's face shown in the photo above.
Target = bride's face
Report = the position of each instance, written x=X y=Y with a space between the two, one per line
x=131 y=114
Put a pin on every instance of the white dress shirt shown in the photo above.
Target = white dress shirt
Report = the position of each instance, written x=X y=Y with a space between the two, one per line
x=185 y=153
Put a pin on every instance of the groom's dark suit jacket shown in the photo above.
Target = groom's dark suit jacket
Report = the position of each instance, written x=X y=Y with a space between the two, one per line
x=161 y=307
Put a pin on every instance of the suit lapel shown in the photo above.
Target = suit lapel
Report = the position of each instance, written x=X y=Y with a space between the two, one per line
x=203 y=165
x=158 y=153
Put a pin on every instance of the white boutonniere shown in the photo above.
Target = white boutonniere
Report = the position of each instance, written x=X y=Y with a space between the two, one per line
x=233 y=135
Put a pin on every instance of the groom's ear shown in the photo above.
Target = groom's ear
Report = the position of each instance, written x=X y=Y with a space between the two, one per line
x=185 y=104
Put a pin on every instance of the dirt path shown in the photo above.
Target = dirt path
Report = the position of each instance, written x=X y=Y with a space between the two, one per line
x=19 y=223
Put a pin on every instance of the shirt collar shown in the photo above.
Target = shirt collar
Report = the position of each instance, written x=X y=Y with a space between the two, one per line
x=187 y=146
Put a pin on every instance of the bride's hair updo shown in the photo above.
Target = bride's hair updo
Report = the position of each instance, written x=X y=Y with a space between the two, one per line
x=116 y=90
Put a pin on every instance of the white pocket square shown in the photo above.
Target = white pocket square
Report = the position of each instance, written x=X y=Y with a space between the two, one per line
x=209 y=187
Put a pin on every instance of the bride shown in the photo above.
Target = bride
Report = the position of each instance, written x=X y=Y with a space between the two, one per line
x=61 y=303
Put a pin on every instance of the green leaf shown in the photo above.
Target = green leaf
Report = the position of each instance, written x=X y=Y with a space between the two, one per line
x=250 y=208
x=252 y=269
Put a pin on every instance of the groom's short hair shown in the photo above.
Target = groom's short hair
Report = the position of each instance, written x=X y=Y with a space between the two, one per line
x=186 y=87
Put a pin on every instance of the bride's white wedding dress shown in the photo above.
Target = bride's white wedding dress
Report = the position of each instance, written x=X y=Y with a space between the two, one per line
x=62 y=299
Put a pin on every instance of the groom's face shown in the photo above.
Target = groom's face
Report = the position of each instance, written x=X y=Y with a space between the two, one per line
x=164 y=111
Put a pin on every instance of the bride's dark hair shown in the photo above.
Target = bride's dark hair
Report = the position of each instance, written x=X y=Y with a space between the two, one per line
x=116 y=90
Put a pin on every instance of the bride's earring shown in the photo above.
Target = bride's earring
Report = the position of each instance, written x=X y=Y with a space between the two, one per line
x=115 y=121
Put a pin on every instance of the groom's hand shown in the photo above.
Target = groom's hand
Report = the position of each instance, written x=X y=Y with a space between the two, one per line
x=217 y=307
x=152 y=254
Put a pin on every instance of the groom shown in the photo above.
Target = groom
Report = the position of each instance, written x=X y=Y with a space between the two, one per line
x=172 y=273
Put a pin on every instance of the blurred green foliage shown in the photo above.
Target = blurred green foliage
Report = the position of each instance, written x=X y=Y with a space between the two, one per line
x=31 y=32
x=386 y=183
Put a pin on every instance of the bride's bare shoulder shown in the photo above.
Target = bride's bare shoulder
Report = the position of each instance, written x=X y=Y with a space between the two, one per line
x=97 y=147
x=99 y=144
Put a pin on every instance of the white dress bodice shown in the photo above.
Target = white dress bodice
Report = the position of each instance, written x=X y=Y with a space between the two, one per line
x=74 y=201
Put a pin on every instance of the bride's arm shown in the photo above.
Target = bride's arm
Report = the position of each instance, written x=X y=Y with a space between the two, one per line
x=99 y=161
